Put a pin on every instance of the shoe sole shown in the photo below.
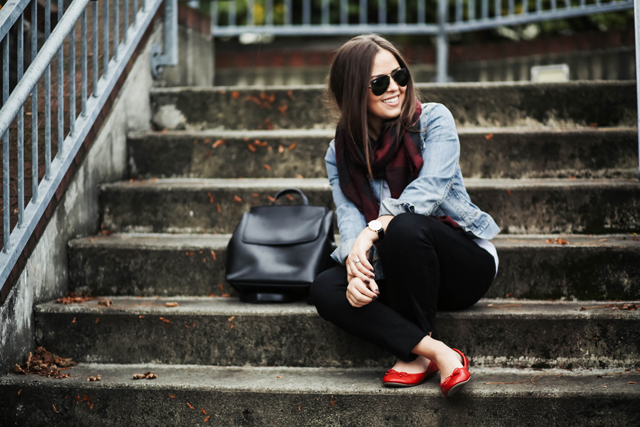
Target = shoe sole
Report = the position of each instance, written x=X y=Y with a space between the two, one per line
x=400 y=385
x=453 y=390
x=403 y=385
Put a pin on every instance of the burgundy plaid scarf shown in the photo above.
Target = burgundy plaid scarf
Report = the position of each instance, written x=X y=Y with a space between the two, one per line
x=397 y=160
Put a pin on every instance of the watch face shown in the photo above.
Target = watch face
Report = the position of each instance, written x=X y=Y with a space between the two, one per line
x=375 y=225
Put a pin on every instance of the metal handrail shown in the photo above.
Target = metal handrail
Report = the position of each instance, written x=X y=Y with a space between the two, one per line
x=79 y=125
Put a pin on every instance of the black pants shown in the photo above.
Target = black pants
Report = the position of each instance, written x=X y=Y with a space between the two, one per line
x=428 y=266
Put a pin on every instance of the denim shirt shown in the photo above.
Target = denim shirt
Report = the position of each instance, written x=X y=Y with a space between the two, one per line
x=438 y=190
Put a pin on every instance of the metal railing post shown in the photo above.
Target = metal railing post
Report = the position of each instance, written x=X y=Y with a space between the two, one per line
x=443 y=43
x=636 y=12
x=170 y=56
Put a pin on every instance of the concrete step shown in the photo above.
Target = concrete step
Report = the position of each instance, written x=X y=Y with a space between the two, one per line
x=580 y=103
x=224 y=331
x=605 y=267
x=485 y=153
x=522 y=206
x=207 y=395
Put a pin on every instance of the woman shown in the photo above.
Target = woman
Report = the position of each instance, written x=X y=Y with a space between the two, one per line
x=412 y=241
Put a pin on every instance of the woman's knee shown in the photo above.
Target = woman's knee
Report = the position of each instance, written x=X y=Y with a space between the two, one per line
x=408 y=228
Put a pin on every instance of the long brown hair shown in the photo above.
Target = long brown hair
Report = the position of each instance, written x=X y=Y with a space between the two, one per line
x=348 y=89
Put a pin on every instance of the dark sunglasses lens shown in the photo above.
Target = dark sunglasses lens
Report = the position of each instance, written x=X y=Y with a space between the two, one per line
x=380 y=85
x=401 y=77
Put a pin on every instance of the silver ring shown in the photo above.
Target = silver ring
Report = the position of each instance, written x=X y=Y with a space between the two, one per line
x=357 y=260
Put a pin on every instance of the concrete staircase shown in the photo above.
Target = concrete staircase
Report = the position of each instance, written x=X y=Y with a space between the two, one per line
x=549 y=345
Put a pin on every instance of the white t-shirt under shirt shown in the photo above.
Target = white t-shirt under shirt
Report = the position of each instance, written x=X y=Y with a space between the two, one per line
x=483 y=243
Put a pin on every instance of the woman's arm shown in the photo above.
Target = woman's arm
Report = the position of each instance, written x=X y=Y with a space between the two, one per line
x=350 y=221
x=441 y=154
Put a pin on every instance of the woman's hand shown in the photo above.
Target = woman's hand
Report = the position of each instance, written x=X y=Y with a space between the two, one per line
x=362 y=269
x=360 y=293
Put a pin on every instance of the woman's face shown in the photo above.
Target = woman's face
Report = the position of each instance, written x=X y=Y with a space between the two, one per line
x=388 y=105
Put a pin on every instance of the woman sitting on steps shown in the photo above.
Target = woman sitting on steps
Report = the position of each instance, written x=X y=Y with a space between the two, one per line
x=403 y=210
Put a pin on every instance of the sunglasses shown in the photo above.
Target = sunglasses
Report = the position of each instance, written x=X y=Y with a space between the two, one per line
x=380 y=84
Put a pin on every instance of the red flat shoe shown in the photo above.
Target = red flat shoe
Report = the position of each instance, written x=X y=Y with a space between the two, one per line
x=394 y=378
x=458 y=378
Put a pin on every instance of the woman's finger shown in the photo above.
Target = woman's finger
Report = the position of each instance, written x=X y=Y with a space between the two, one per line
x=352 y=300
x=364 y=270
x=361 y=266
x=364 y=290
x=374 y=287
x=357 y=272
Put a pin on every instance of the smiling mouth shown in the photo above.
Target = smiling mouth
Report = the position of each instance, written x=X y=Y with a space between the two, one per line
x=391 y=100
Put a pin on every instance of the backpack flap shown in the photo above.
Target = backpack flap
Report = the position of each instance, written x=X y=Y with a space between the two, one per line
x=283 y=225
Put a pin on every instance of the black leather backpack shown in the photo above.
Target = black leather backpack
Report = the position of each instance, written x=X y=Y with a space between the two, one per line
x=277 y=251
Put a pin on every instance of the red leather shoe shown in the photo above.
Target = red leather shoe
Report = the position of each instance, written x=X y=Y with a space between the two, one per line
x=394 y=378
x=458 y=378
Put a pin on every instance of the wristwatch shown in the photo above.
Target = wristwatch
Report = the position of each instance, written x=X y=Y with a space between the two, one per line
x=376 y=226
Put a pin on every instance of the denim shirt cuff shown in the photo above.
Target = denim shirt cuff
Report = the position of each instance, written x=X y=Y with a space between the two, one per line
x=395 y=207
x=342 y=252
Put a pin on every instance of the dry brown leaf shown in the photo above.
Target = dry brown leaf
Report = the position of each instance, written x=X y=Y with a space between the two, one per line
x=203 y=411
x=213 y=254
x=632 y=382
x=271 y=199
x=299 y=409
x=280 y=149
x=221 y=286
x=54 y=409
x=289 y=196
x=254 y=99
x=231 y=326
x=96 y=378
x=19 y=391
x=166 y=321
x=278 y=376
x=172 y=396
x=75 y=298
x=509 y=192
x=251 y=148
x=210 y=197
x=105 y=302
x=237 y=199
x=292 y=146
x=207 y=419
x=171 y=304
x=74 y=320
x=225 y=295
x=283 y=109
x=230 y=319
x=558 y=241
x=97 y=320
x=267 y=167
x=333 y=402
x=488 y=136
x=299 y=176
x=235 y=94
x=218 y=143
x=218 y=207
x=190 y=405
